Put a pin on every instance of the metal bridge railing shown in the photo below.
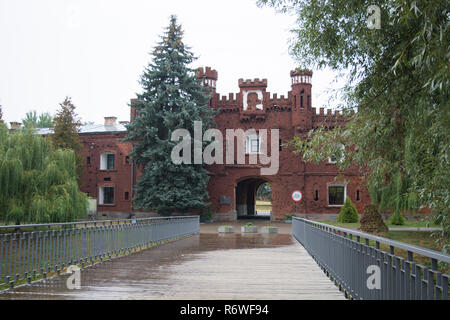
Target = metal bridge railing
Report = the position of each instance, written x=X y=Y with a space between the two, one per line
x=30 y=252
x=354 y=259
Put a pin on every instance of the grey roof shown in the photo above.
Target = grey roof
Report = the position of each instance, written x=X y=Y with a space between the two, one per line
x=100 y=128
x=44 y=131
x=91 y=128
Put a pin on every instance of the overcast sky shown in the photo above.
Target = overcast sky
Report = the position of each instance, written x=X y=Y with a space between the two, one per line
x=95 y=50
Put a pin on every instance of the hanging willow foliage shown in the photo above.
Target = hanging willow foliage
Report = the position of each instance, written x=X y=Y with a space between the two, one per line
x=37 y=183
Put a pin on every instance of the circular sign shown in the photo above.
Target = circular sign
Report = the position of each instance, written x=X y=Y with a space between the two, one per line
x=296 y=196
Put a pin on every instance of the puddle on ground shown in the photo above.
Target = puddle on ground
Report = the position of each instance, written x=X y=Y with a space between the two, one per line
x=150 y=273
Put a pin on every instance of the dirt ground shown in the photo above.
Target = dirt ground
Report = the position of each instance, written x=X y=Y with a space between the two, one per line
x=283 y=228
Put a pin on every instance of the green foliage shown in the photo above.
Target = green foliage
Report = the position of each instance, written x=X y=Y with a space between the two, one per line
x=207 y=214
x=37 y=183
x=372 y=221
x=1 y=114
x=249 y=224
x=289 y=216
x=172 y=98
x=348 y=213
x=32 y=120
x=398 y=80
x=264 y=192
x=66 y=131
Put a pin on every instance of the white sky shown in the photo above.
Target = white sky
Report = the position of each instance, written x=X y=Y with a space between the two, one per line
x=96 y=50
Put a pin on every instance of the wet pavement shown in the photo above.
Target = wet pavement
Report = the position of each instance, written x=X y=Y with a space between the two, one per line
x=205 y=266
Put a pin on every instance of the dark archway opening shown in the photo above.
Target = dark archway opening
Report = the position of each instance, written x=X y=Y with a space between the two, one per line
x=253 y=199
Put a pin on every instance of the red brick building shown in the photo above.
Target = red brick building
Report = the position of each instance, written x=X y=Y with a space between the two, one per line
x=110 y=175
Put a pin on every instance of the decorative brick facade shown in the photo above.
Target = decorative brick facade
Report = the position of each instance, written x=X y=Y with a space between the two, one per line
x=232 y=187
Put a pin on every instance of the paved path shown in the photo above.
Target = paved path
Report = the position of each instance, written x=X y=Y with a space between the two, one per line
x=205 y=266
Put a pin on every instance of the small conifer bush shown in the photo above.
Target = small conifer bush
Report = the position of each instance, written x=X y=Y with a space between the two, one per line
x=348 y=213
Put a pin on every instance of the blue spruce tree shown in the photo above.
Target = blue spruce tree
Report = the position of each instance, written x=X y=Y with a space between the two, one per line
x=172 y=98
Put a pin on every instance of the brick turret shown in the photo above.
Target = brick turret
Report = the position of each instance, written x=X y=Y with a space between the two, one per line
x=301 y=98
x=209 y=77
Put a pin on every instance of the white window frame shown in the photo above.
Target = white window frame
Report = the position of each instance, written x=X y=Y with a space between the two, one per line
x=104 y=160
x=101 y=196
x=248 y=144
x=328 y=194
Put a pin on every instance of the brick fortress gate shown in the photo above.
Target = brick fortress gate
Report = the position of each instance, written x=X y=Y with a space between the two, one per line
x=232 y=187
x=109 y=175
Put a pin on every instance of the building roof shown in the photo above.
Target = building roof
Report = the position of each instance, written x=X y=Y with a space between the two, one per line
x=89 y=129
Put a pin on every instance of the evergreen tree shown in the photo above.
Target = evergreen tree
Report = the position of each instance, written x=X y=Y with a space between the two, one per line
x=32 y=120
x=37 y=183
x=348 y=213
x=172 y=98
x=1 y=114
x=45 y=120
x=66 y=132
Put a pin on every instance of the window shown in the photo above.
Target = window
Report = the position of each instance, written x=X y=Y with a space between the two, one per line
x=316 y=195
x=252 y=144
x=357 y=195
x=107 y=179
x=336 y=195
x=127 y=159
x=106 y=195
x=107 y=161
x=280 y=145
x=127 y=195
x=88 y=160
x=301 y=101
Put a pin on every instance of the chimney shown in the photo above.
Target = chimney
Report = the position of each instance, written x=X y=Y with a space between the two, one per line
x=15 y=125
x=110 y=121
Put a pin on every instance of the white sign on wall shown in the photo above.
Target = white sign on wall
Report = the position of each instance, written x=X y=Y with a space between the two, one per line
x=296 y=196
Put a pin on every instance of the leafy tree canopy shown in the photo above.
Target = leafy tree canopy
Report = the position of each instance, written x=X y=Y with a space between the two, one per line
x=172 y=98
x=398 y=82
x=37 y=183
x=32 y=120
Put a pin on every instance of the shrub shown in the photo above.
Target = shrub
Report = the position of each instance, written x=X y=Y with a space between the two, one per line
x=371 y=220
x=206 y=214
x=348 y=213
x=397 y=218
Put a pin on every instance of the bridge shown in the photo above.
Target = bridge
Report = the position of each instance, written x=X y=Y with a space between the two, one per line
x=175 y=258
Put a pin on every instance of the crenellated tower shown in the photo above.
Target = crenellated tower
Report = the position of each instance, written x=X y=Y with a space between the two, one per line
x=209 y=77
x=301 y=99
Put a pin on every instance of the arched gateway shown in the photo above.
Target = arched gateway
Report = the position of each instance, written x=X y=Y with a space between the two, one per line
x=233 y=185
x=246 y=198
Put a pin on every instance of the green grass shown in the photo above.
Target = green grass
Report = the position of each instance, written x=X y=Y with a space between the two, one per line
x=263 y=205
x=408 y=224
x=422 y=239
